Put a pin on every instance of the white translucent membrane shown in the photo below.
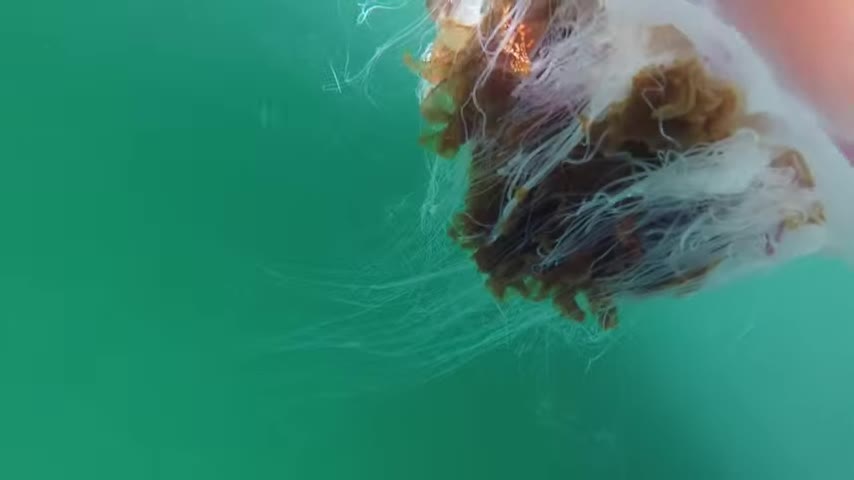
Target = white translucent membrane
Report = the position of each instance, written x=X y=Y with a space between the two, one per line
x=436 y=314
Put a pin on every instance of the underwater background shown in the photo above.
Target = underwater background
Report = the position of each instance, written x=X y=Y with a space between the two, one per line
x=161 y=161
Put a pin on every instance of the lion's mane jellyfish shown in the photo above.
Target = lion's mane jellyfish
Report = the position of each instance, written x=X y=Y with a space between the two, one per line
x=622 y=148
x=595 y=152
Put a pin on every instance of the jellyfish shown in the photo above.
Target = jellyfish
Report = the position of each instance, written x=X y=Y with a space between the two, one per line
x=586 y=154
x=621 y=149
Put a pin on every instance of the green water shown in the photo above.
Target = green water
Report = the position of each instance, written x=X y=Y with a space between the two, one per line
x=159 y=157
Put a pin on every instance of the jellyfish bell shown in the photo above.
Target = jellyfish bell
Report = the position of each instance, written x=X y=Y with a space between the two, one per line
x=623 y=148
x=806 y=46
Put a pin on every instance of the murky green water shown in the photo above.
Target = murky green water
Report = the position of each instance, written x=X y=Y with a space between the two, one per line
x=157 y=159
